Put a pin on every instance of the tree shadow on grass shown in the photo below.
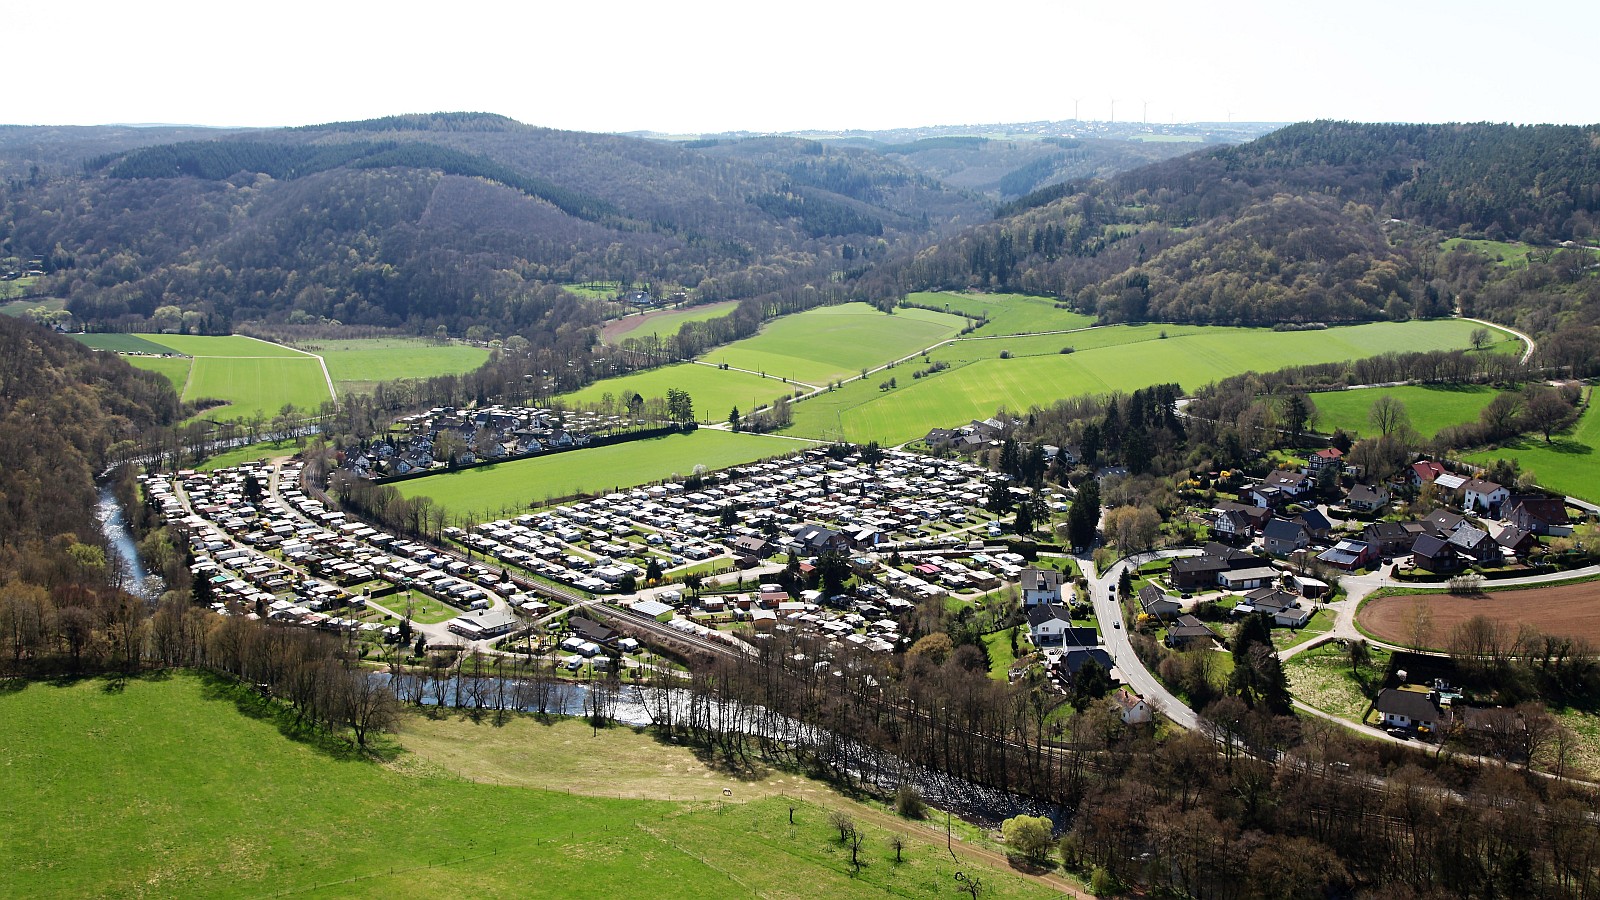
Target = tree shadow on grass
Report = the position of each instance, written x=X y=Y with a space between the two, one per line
x=718 y=759
x=253 y=704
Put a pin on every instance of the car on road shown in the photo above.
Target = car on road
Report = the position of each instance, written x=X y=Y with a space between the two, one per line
x=1400 y=733
x=1117 y=625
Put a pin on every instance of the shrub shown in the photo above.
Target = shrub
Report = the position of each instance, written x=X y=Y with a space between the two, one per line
x=1027 y=835
x=909 y=804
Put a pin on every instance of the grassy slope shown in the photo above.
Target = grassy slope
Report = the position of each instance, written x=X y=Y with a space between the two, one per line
x=361 y=363
x=1008 y=313
x=257 y=385
x=176 y=368
x=1568 y=464
x=1191 y=356
x=715 y=393
x=489 y=488
x=164 y=788
x=663 y=323
x=233 y=345
x=1431 y=407
x=820 y=345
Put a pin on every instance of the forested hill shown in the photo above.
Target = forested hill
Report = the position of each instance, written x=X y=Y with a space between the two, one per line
x=455 y=219
x=1317 y=222
x=63 y=407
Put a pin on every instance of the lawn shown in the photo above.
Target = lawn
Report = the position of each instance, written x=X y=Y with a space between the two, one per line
x=1431 y=407
x=835 y=342
x=121 y=343
x=1000 y=655
x=1122 y=358
x=715 y=392
x=1321 y=678
x=594 y=290
x=250 y=453
x=1320 y=622
x=254 y=386
x=17 y=287
x=185 y=786
x=176 y=368
x=1568 y=464
x=664 y=322
x=358 y=365
x=515 y=485
x=1511 y=254
x=1007 y=313
x=235 y=346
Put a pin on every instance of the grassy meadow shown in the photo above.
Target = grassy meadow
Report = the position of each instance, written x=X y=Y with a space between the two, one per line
x=835 y=342
x=663 y=323
x=1117 y=358
x=122 y=343
x=233 y=346
x=252 y=386
x=488 y=489
x=186 y=786
x=359 y=365
x=176 y=368
x=1008 y=313
x=1431 y=407
x=715 y=392
x=1568 y=464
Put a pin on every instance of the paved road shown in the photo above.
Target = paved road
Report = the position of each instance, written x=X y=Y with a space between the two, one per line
x=1114 y=631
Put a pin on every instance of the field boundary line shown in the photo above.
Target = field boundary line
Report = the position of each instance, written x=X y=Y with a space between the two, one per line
x=326 y=377
x=701 y=859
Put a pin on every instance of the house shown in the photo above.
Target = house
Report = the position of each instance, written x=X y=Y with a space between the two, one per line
x=483 y=623
x=590 y=630
x=1193 y=572
x=1232 y=524
x=1158 y=604
x=1040 y=586
x=1520 y=541
x=1294 y=484
x=815 y=539
x=1189 y=634
x=1390 y=538
x=1424 y=472
x=753 y=547
x=1284 y=607
x=1332 y=458
x=1247 y=579
x=1130 y=707
x=1443 y=522
x=1265 y=496
x=1075 y=658
x=1435 y=554
x=1535 y=513
x=1284 y=536
x=1316 y=524
x=1050 y=625
x=1348 y=555
x=1476 y=545
x=1483 y=496
x=1366 y=498
x=1407 y=709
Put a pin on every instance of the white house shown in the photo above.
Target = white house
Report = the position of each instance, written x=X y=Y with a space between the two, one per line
x=1040 y=586
x=1131 y=707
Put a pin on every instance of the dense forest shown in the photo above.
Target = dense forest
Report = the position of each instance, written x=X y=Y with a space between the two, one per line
x=1317 y=222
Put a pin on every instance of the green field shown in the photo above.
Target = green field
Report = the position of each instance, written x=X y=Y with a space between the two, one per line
x=184 y=786
x=1568 y=465
x=715 y=392
x=663 y=323
x=250 y=453
x=1511 y=254
x=514 y=485
x=122 y=343
x=1431 y=407
x=1190 y=355
x=254 y=386
x=835 y=342
x=594 y=290
x=18 y=287
x=232 y=346
x=176 y=368
x=358 y=365
x=1007 y=313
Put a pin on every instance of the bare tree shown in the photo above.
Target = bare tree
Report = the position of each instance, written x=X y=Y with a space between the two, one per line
x=1419 y=624
x=1387 y=415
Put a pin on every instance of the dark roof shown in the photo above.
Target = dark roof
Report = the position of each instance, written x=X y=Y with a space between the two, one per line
x=1314 y=520
x=1080 y=637
x=1044 y=612
x=1271 y=598
x=1366 y=493
x=1386 y=531
x=1429 y=545
x=1283 y=530
x=1444 y=520
x=1548 y=510
x=1181 y=633
x=1512 y=537
x=590 y=630
x=1468 y=538
x=1415 y=706
x=1074 y=659
x=1036 y=579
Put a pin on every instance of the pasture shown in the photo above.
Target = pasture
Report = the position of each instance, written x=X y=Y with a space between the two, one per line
x=256 y=386
x=1431 y=407
x=176 y=368
x=1007 y=313
x=187 y=785
x=1570 y=610
x=1117 y=358
x=123 y=343
x=1568 y=464
x=233 y=346
x=663 y=322
x=486 y=490
x=715 y=392
x=17 y=287
x=835 y=342
x=1511 y=254
x=359 y=365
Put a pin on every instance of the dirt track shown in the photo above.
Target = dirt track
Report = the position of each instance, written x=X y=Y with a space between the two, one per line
x=1570 y=611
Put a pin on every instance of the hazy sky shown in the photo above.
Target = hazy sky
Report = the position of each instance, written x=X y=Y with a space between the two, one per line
x=708 y=65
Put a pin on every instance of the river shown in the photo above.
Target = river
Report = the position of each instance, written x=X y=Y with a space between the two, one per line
x=119 y=540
